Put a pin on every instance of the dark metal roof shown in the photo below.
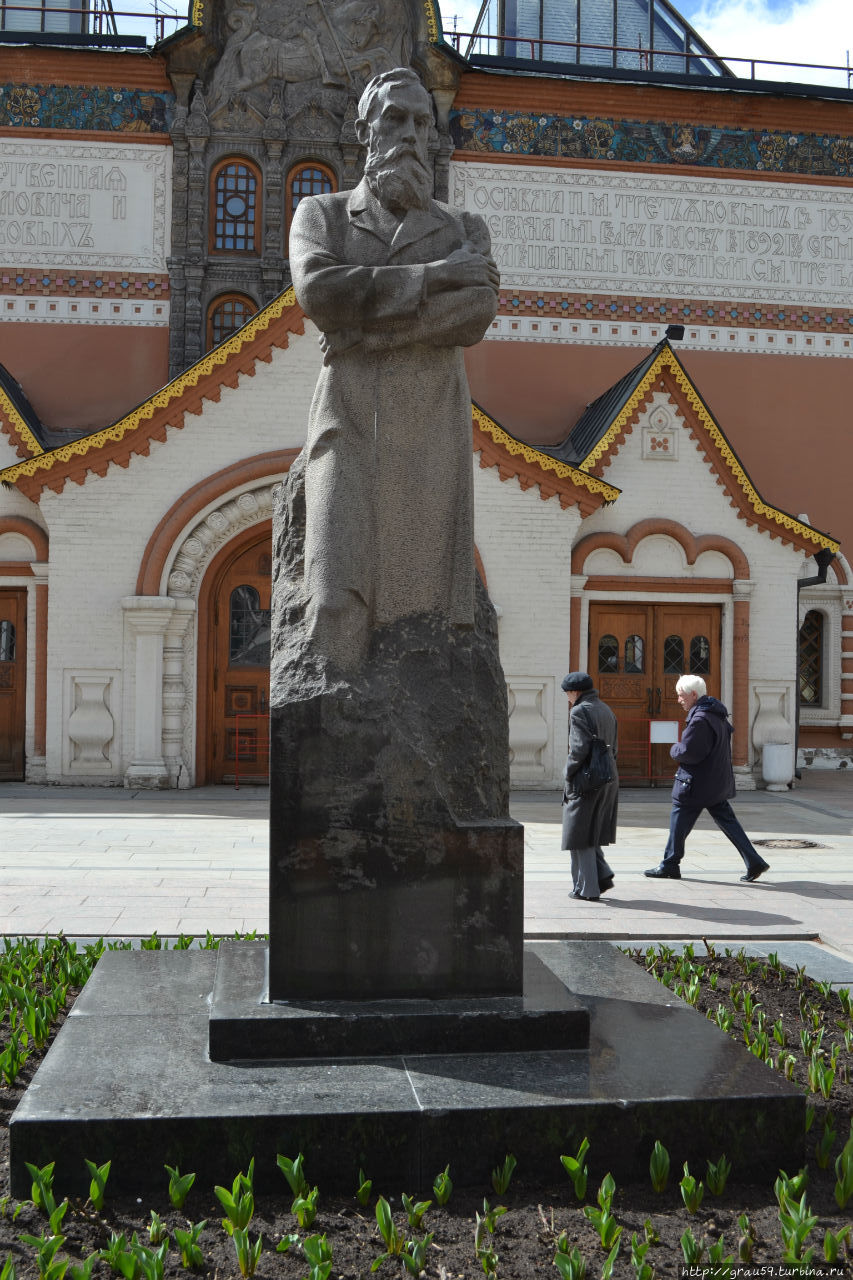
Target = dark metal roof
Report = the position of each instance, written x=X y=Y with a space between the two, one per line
x=15 y=392
x=597 y=417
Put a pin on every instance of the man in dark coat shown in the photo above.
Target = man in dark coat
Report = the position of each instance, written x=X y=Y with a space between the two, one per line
x=589 y=817
x=704 y=780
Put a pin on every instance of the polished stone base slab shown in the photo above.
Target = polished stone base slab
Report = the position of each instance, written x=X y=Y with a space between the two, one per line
x=244 y=1025
x=129 y=1079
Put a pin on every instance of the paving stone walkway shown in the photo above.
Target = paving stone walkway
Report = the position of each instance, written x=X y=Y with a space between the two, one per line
x=104 y=861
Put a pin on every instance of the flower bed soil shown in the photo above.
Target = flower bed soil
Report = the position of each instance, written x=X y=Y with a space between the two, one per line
x=525 y=1236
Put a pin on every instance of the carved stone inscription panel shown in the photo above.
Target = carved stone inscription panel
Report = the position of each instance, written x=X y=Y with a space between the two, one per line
x=84 y=205
x=663 y=234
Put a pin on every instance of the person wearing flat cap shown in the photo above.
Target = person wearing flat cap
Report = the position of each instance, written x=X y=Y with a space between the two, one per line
x=589 y=817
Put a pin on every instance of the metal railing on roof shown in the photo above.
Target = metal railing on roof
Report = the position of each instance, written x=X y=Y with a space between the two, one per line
x=544 y=49
x=94 y=23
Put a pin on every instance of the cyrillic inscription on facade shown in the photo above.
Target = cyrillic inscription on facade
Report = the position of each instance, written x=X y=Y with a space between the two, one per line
x=663 y=235
x=72 y=205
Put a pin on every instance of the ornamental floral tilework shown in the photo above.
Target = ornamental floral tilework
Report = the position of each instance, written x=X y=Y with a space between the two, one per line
x=81 y=107
x=642 y=142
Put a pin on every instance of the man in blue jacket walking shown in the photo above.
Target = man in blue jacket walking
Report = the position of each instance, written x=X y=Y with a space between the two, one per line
x=704 y=780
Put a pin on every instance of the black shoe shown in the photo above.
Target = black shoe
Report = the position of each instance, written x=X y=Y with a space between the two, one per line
x=604 y=886
x=753 y=875
x=663 y=873
x=583 y=896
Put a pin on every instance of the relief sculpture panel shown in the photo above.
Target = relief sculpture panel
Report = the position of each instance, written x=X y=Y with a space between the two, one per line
x=339 y=44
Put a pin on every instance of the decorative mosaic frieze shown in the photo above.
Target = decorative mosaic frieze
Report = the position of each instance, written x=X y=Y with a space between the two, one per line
x=649 y=142
x=85 y=107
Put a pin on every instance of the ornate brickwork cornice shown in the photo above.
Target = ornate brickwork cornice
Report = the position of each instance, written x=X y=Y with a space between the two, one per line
x=667 y=372
x=166 y=408
x=514 y=459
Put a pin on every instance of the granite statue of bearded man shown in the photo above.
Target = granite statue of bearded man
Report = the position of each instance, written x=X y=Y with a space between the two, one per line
x=398 y=284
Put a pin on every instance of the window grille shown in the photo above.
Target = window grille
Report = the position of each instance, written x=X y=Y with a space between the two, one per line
x=608 y=654
x=634 y=656
x=673 y=656
x=235 y=208
x=810 y=666
x=700 y=656
x=226 y=316
x=249 y=629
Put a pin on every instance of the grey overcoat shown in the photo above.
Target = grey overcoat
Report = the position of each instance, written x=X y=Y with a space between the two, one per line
x=589 y=819
x=388 y=478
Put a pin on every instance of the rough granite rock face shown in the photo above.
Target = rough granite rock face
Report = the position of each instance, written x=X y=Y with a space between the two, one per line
x=395 y=868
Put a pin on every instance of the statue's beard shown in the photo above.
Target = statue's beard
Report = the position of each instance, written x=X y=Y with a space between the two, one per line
x=399 y=179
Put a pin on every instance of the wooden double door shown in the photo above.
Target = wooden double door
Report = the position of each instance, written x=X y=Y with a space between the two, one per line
x=637 y=651
x=13 y=681
x=239 y=668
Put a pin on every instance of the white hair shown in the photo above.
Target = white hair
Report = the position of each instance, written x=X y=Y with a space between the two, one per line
x=691 y=684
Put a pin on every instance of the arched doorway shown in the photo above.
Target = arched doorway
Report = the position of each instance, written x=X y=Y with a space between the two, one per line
x=236 y=682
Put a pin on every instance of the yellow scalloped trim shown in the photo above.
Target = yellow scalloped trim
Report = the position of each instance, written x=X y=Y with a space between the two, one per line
x=11 y=414
x=433 y=22
x=197 y=13
x=160 y=400
x=562 y=470
x=668 y=359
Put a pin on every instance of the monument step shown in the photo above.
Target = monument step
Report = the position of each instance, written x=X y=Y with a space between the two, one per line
x=245 y=1025
x=129 y=1079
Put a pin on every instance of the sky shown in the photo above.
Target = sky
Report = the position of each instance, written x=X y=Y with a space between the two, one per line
x=819 y=31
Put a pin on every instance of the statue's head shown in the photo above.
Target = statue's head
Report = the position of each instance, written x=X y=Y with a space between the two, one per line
x=394 y=122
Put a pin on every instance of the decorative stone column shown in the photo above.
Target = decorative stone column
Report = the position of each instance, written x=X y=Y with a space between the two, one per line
x=36 y=766
x=577 y=582
x=274 y=250
x=175 y=694
x=742 y=593
x=147 y=619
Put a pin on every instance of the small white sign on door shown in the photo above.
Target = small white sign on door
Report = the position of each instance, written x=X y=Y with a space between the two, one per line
x=663 y=731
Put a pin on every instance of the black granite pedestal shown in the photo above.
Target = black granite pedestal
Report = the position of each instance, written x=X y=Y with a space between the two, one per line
x=129 y=1079
x=246 y=1025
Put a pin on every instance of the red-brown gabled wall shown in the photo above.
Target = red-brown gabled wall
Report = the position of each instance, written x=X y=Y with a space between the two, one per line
x=787 y=417
x=85 y=376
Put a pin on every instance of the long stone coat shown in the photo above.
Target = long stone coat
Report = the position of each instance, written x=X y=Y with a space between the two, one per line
x=589 y=819
x=388 y=480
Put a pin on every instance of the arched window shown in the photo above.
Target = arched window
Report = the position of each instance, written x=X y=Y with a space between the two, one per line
x=310 y=178
x=700 y=656
x=226 y=315
x=235 y=205
x=608 y=654
x=249 y=629
x=810 y=665
x=634 y=655
x=673 y=656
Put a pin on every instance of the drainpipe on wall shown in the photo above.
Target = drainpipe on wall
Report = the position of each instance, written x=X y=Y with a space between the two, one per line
x=824 y=559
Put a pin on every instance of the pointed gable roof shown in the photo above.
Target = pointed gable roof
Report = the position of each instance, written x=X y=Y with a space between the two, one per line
x=50 y=467
x=18 y=418
x=46 y=467
x=529 y=465
x=601 y=429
